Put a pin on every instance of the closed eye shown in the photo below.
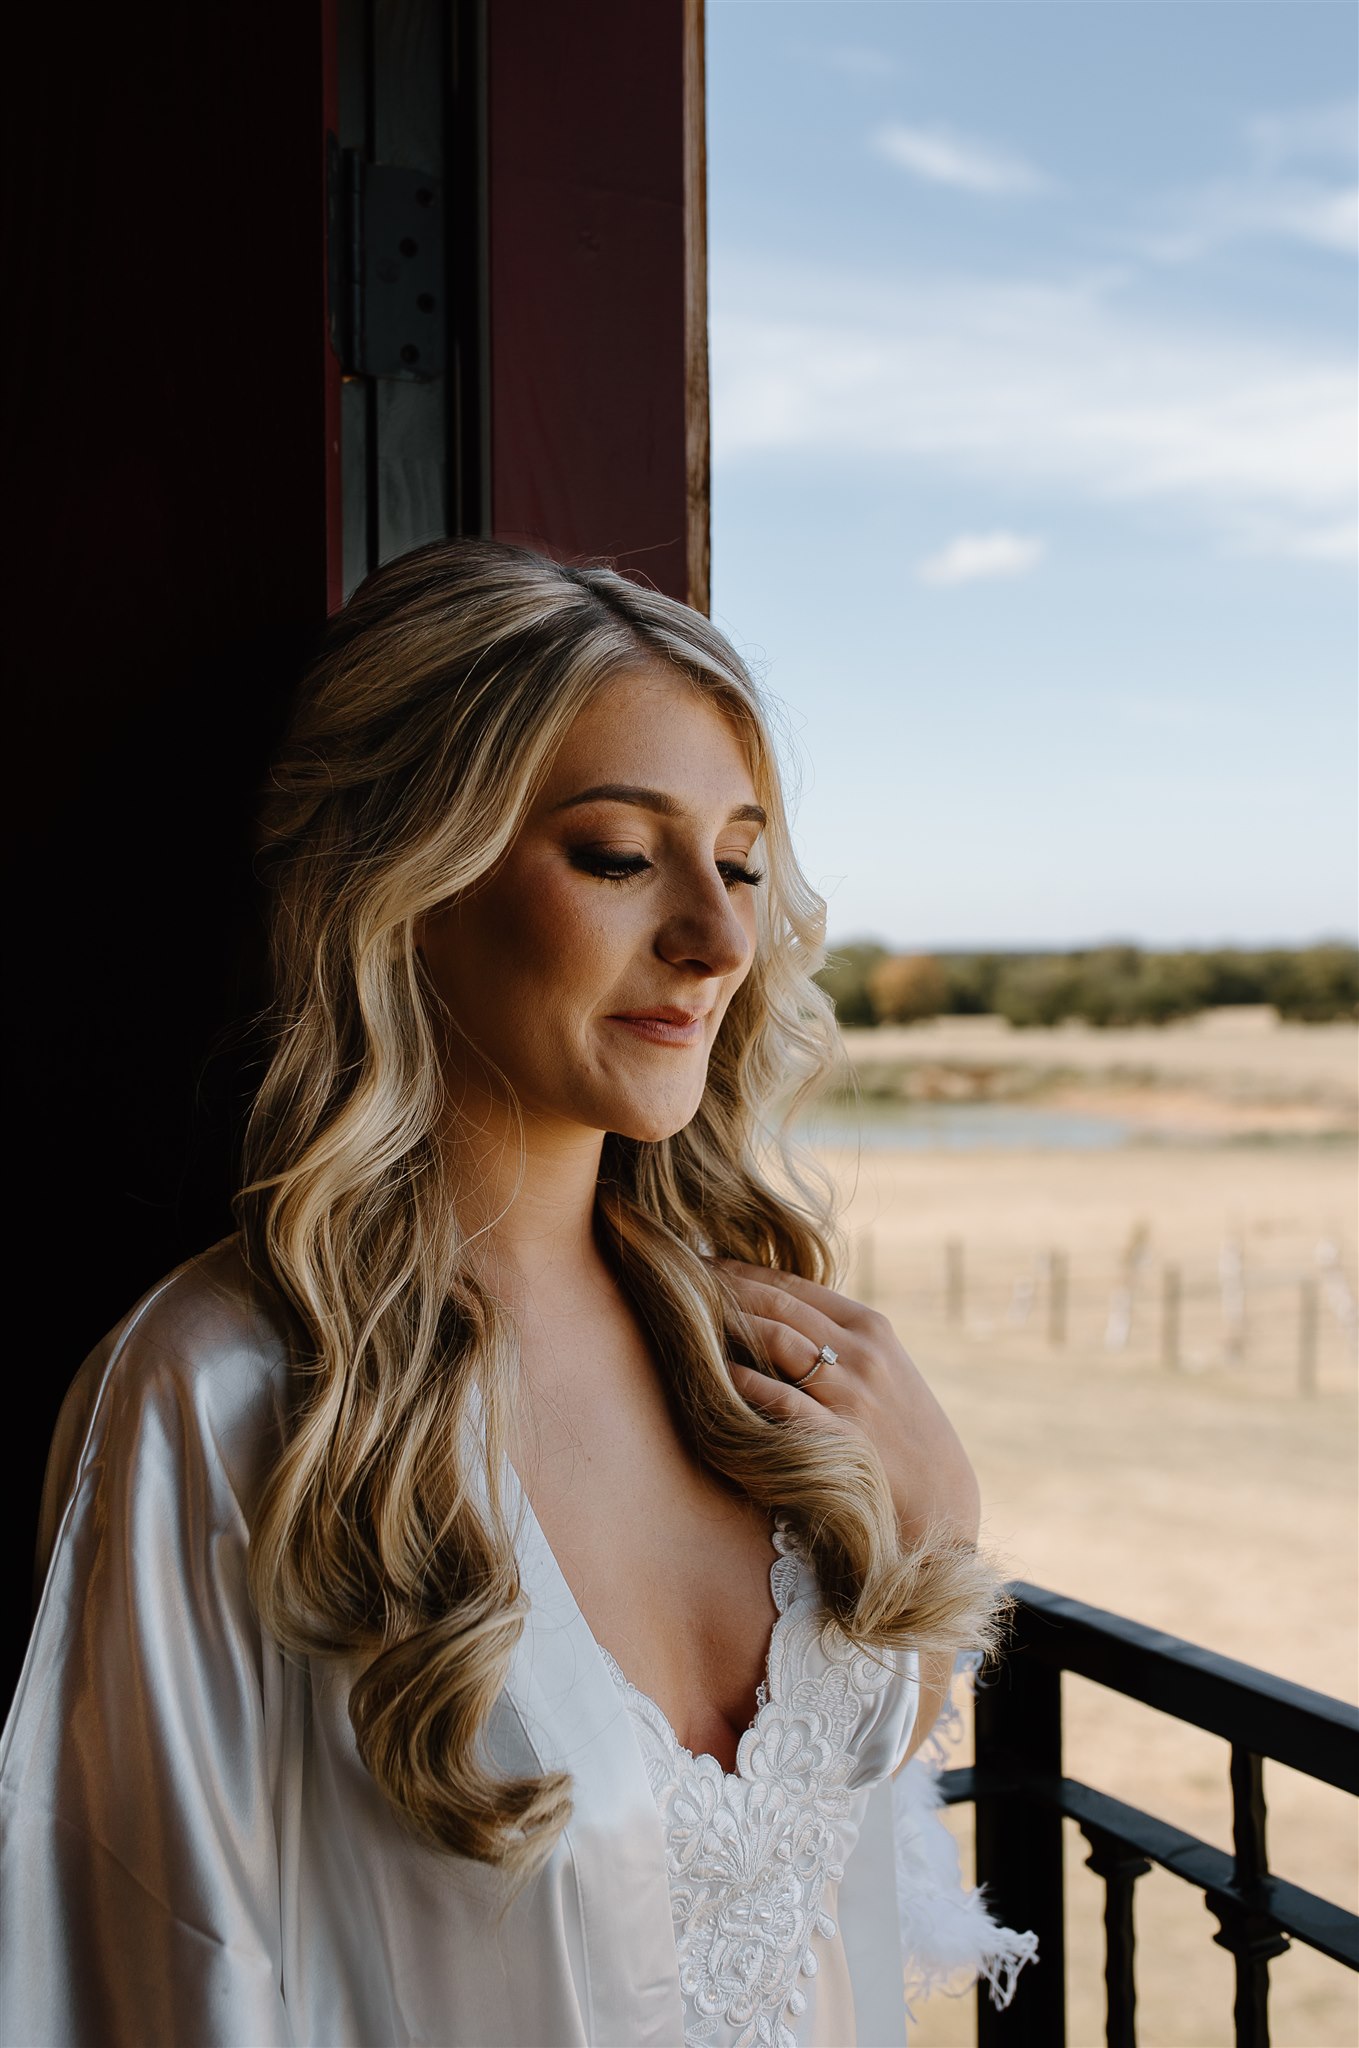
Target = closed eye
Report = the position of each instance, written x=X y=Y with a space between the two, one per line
x=625 y=867
x=610 y=867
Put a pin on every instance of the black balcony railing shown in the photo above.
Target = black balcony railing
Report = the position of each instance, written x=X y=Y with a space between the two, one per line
x=1021 y=1798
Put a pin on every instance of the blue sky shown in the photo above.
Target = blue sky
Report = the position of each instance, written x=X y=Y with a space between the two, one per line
x=1034 y=334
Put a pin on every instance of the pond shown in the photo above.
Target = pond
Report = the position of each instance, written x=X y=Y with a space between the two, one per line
x=962 y=1127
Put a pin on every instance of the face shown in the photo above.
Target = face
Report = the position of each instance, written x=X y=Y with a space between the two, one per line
x=597 y=961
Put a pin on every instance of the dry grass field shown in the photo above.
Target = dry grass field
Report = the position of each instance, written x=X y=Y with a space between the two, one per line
x=1208 y=1487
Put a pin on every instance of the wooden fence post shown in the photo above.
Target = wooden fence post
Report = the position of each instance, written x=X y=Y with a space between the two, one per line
x=1170 y=1317
x=1057 y=1276
x=1231 y=1270
x=1336 y=1290
x=867 y=1280
x=1307 y=1338
x=954 y=1296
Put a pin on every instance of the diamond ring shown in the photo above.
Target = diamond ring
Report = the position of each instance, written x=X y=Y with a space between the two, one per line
x=825 y=1356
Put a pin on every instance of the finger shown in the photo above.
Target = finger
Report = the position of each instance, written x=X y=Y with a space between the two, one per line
x=792 y=1354
x=775 y=1305
x=837 y=1308
x=772 y=1397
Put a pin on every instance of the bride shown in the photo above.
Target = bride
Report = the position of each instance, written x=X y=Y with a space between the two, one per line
x=488 y=1599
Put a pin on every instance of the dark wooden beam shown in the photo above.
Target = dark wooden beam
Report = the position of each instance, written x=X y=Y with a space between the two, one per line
x=598 y=365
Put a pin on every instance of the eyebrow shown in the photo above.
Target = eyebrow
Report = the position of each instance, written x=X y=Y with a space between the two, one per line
x=651 y=800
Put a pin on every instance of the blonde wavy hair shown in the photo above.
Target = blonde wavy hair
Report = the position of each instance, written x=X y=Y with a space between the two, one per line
x=418 y=744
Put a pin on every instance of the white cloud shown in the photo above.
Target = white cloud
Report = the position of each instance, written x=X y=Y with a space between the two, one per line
x=1299 y=186
x=1307 y=133
x=1338 y=543
x=1328 y=219
x=1287 y=209
x=1043 y=387
x=975 y=557
x=944 y=158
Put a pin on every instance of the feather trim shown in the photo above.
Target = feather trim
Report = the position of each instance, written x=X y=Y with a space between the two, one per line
x=949 y=1938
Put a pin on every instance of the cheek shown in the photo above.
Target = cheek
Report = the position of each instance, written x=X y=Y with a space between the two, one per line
x=553 y=930
x=533 y=945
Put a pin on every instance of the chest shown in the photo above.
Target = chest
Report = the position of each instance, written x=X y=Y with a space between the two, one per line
x=669 y=1567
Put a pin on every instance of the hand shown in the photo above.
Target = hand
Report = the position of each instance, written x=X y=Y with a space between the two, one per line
x=873 y=1392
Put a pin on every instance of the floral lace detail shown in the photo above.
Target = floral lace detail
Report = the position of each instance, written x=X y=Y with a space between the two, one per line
x=750 y=1852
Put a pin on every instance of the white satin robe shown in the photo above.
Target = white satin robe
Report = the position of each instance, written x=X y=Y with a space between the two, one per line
x=194 y=1855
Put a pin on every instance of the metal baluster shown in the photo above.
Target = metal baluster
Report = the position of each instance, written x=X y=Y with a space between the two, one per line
x=1120 y=1867
x=1018 y=1721
x=1250 y=1934
x=1248 y=1817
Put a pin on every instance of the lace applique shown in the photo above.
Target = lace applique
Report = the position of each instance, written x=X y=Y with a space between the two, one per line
x=750 y=1852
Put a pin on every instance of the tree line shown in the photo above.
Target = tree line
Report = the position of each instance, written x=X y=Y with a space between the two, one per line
x=1102 y=985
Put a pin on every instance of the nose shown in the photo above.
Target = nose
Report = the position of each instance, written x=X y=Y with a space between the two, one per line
x=703 y=933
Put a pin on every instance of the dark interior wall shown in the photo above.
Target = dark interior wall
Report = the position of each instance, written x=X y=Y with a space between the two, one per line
x=169 y=468
x=180 y=519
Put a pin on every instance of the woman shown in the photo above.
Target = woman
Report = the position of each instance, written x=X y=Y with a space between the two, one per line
x=486 y=1596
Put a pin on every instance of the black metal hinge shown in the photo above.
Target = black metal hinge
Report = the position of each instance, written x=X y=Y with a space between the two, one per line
x=387 y=270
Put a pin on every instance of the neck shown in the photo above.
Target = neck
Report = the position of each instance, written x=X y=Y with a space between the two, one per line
x=529 y=1217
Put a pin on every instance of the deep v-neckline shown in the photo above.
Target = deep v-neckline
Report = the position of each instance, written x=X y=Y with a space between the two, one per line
x=784 y=1571
x=788 y=1554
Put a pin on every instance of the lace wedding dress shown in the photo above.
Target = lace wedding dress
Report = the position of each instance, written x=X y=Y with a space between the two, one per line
x=755 y=1856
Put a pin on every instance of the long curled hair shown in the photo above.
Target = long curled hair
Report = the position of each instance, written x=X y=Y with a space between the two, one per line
x=419 y=742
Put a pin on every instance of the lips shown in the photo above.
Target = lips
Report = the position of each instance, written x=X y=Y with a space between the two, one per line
x=666 y=1024
x=664 y=1013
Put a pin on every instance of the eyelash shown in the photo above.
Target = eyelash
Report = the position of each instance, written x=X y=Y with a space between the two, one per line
x=625 y=867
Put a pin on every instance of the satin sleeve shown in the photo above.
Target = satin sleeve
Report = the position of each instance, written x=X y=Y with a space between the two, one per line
x=888 y=1718
x=137 y=1827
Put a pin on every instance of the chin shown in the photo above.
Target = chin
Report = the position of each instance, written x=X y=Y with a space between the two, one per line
x=650 y=1125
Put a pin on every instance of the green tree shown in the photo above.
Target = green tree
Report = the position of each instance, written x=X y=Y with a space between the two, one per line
x=1106 y=983
x=905 y=988
x=1172 y=985
x=1315 y=985
x=845 y=979
x=1234 y=976
x=1121 y=985
x=971 y=979
x=1040 y=988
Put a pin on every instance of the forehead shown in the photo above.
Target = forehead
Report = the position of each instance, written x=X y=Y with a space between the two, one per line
x=654 y=727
